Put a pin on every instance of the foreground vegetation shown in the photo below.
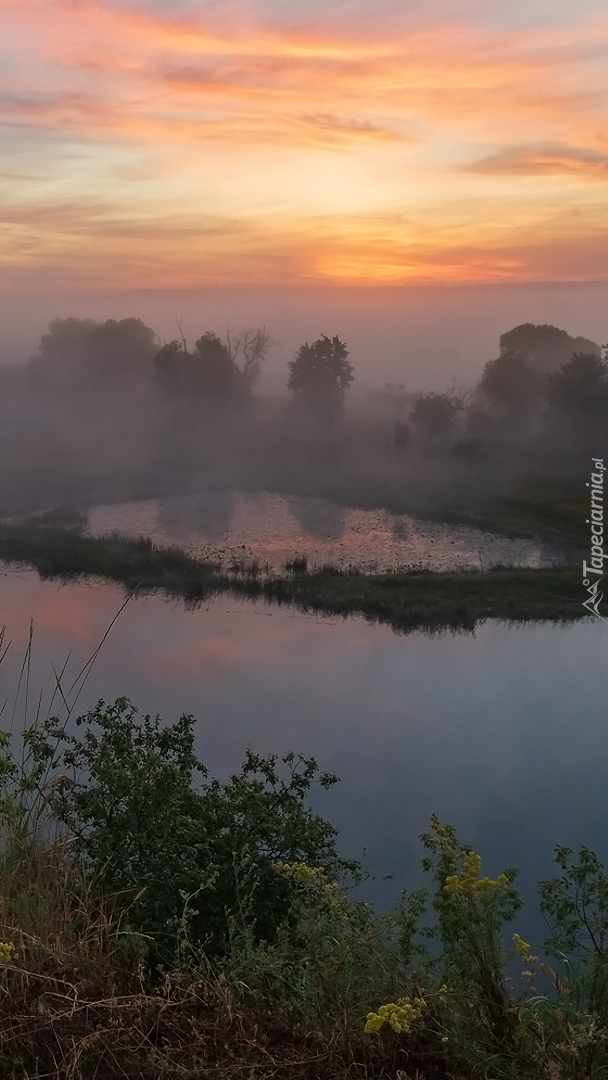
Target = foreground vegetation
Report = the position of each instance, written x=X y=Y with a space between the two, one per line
x=156 y=923
x=407 y=600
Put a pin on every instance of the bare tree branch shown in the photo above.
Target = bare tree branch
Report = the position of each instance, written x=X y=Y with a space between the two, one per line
x=249 y=349
x=181 y=332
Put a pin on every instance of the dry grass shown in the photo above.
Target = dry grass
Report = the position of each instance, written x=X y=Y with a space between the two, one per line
x=60 y=1020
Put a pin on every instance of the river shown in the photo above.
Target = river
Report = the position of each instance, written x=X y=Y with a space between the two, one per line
x=501 y=732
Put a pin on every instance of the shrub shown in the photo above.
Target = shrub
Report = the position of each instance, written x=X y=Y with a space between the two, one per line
x=174 y=850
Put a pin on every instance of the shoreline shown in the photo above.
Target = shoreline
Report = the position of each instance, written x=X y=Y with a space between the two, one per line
x=406 y=600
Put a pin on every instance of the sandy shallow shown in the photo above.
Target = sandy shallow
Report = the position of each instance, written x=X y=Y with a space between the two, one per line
x=270 y=529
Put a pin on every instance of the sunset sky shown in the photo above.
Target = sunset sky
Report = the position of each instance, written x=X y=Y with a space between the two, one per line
x=157 y=144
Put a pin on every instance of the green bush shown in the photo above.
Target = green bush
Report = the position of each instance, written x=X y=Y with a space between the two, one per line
x=177 y=848
x=576 y=908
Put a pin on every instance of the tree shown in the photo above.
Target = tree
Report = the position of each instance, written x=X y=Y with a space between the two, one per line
x=579 y=388
x=434 y=414
x=207 y=372
x=401 y=436
x=320 y=374
x=82 y=351
x=252 y=347
x=512 y=384
x=544 y=346
x=216 y=372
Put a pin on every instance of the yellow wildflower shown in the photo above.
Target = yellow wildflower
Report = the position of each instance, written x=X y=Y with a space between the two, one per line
x=7 y=952
x=399 y=1015
x=468 y=881
x=471 y=868
x=523 y=950
x=374 y=1023
x=485 y=885
x=452 y=883
x=304 y=874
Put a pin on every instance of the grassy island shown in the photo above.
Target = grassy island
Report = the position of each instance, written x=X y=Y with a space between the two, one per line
x=405 y=600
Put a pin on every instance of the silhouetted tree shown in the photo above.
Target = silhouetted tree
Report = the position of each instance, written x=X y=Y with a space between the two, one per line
x=512 y=384
x=434 y=414
x=249 y=350
x=216 y=372
x=79 y=352
x=209 y=372
x=402 y=435
x=579 y=389
x=320 y=374
x=544 y=346
x=173 y=365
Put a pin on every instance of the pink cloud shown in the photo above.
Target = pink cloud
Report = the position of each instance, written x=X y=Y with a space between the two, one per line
x=545 y=159
x=280 y=149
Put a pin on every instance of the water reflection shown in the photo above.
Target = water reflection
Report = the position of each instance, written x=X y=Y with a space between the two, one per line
x=274 y=529
x=319 y=519
x=208 y=517
x=501 y=732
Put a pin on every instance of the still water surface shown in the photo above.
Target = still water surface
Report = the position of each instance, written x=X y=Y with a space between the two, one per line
x=273 y=529
x=502 y=732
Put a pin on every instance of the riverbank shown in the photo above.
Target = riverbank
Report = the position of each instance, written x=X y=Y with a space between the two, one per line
x=405 y=600
x=157 y=923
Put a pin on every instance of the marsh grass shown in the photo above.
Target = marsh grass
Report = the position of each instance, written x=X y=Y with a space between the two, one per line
x=408 y=600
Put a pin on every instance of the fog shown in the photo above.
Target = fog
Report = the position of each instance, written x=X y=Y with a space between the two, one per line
x=149 y=397
x=423 y=336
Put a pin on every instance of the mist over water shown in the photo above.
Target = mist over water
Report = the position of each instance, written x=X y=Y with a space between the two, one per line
x=124 y=399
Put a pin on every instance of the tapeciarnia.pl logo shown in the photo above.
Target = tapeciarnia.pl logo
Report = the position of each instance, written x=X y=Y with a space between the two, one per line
x=593 y=572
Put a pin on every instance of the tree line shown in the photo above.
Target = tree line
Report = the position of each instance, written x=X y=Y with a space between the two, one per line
x=80 y=353
x=543 y=380
x=542 y=383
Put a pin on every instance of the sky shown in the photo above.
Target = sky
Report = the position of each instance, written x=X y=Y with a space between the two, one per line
x=156 y=145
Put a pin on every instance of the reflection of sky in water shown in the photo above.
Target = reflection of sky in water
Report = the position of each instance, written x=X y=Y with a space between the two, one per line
x=502 y=733
x=274 y=529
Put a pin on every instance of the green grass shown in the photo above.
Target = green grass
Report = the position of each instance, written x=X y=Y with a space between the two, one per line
x=557 y=520
x=420 y=598
x=405 y=600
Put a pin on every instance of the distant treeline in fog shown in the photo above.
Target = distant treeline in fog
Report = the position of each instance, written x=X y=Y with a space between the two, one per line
x=105 y=411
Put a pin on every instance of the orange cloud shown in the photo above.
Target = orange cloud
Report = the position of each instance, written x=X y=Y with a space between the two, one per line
x=551 y=159
x=231 y=147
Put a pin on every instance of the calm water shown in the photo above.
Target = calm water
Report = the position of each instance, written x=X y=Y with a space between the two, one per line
x=273 y=529
x=502 y=732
